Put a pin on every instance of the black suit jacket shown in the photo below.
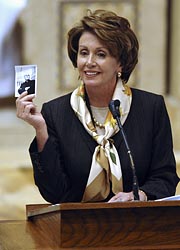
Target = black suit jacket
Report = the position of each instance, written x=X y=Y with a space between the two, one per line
x=61 y=170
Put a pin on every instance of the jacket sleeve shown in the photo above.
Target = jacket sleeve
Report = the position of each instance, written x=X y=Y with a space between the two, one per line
x=49 y=172
x=162 y=178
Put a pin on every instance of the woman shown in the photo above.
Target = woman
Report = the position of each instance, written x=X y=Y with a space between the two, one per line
x=78 y=153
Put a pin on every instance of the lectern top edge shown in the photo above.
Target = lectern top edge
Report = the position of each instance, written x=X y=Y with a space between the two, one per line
x=38 y=209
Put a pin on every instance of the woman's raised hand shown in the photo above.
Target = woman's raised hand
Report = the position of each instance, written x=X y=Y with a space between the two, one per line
x=27 y=110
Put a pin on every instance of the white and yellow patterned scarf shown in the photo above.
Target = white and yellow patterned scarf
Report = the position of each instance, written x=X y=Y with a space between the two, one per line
x=105 y=166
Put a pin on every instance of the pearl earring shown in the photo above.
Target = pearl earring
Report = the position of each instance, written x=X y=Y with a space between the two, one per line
x=119 y=74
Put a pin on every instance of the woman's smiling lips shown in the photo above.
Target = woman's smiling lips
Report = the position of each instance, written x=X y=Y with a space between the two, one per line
x=91 y=73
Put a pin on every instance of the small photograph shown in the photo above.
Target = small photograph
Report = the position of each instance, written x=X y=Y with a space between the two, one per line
x=25 y=79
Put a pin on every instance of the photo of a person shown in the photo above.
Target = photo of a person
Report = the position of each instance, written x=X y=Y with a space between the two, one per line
x=25 y=79
x=28 y=85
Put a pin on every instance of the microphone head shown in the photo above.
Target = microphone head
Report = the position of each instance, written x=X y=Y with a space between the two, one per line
x=117 y=103
x=114 y=108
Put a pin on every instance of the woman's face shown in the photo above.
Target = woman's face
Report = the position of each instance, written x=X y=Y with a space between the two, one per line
x=95 y=64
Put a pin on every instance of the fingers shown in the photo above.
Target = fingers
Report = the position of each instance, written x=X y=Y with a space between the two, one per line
x=28 y=110
x=122 y=197
x=25 y=105
x=24 y=97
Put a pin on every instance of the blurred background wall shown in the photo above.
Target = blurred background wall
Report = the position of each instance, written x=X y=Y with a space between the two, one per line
x=38 y=32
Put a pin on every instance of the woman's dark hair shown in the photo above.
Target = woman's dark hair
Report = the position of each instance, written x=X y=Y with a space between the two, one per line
x=114 y=32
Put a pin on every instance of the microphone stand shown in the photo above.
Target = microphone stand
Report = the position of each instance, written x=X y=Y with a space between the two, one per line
x=114 y=108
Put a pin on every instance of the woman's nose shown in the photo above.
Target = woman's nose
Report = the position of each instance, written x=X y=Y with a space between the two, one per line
x=91 y=61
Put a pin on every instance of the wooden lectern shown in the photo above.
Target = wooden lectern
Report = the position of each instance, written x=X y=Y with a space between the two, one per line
x=129 y=225
x=91 y=226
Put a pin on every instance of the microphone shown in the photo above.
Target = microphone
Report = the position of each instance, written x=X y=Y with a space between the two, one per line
x=114 y=108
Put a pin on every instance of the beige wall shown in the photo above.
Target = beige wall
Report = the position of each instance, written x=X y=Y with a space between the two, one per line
x=174 y=98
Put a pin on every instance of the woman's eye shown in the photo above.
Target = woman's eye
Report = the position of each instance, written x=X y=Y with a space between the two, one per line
x=101 y=54
x=83 y=52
